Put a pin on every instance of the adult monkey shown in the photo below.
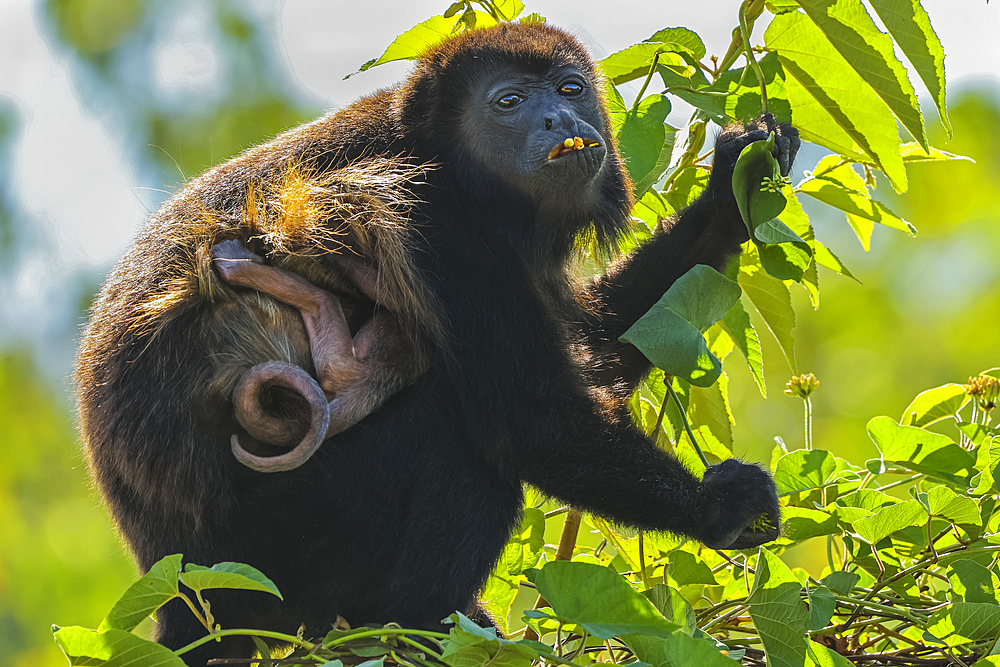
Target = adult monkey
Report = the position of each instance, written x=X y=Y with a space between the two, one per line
x=526 y=380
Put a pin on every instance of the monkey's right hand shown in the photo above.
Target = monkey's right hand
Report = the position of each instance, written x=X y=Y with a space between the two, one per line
x=740 y=506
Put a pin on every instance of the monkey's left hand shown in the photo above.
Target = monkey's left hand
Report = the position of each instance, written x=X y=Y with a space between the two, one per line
x=740 y=506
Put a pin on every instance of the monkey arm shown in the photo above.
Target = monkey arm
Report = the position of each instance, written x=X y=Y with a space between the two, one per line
x=520 y=393
x=709 y=232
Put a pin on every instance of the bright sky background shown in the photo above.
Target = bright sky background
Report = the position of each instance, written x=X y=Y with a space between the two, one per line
x=85 y=201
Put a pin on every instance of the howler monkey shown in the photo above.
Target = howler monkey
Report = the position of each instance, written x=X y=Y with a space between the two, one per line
x=439 y=216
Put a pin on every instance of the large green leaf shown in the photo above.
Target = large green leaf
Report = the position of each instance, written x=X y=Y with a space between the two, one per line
x=835 y=183
x=929 y=453
x=677 y=650
x=934 y=405
x=112 y=648
x=599 y=599
x=227 y=575
x=145 y=596
x=972 y=582
x=971 y=621
x=779 y=612
x=772 y=301
x=670 y=334
x=737 y=324
x=803 y=470
x=831 y=104
x=801 y=523
x=869 y=51
x=681 y=40
x=907 y=21
x=424 y=36
x=635 y=61
x=889 y=519
x=642 y=138
x=527 y=544
x=956 y=508
x=469 y=645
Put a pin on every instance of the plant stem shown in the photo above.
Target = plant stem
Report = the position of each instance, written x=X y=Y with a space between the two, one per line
x=745 y=30
x=642 y=561
x=645 y=84
x=809 y=421
x=291 y=639
x=687 y=426
x=197 y=612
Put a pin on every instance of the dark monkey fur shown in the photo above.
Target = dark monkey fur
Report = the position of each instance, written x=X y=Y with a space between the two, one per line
x=450 y=200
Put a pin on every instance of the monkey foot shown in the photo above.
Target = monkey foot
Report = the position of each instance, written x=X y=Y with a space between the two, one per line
x=231 y=257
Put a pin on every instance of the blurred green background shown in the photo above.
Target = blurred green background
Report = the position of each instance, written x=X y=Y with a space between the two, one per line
x=927 y=313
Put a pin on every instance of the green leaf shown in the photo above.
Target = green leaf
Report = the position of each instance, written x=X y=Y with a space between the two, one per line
x=804 y=469
x=686 y=568
x=971 y=621
x=890 y=519
x=737 y=324
x=929 y=453
x=971 y=582
x=673 y=606
x=869 y=51
x=469 y=645
x=508 y=10
x=424 y=36
x=112 y=648
x=912 y=152
x=643 y=139
x=831 y=104
x=772 y=301
x=149 y=593
x=934 y=405
x=910 y=26
x=670 y=334
x=677 y=650
x=822 y=604
x=498 y=597
x=957 y=509
x=681 y=40
x=709 y=409
x=781 y=6
x=778 y=611
x=598 y=599
x=841 y=581
x=527 y=544
x=635 y=61
x=227 y=575
x=821 y=656
x=801 y=523
x=836 y=184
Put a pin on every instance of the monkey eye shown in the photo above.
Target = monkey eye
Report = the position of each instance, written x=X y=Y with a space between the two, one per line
x=570 y=89
x=509 y=101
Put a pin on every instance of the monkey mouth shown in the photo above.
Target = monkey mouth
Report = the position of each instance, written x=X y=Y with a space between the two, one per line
x=571 y=145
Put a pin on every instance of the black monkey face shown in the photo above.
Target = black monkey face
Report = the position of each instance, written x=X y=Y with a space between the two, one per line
x=540 y=133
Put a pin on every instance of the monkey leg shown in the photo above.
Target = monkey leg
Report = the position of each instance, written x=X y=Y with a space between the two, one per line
x=388 y=365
